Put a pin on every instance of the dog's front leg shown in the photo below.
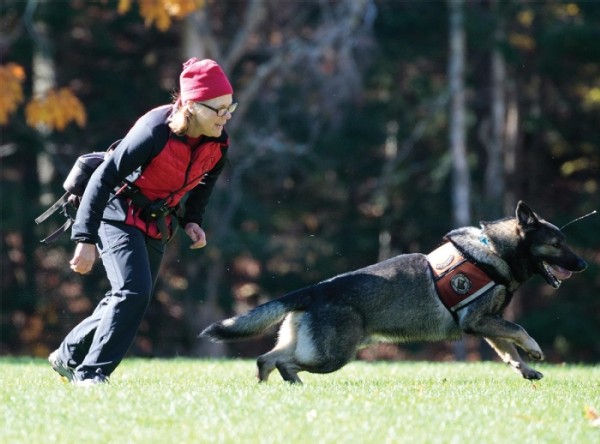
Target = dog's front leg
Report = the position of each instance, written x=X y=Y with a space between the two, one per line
x=509 y=354
x=494 y=327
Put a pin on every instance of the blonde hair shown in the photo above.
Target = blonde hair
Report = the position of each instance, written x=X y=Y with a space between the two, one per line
x=180 y=118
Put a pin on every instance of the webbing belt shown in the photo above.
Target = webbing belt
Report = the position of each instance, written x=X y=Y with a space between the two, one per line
x=156 y=210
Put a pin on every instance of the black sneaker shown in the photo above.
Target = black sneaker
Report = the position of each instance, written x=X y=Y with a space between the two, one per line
x=60 y=367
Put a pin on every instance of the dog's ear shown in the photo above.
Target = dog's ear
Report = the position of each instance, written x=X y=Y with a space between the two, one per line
x=526 y=218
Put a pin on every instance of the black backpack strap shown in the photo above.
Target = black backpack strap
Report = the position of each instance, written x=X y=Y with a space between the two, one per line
x=58 y=232
x=63 y=204
x=53 y=209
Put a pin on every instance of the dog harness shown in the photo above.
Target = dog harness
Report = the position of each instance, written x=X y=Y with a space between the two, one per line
x=458 y=282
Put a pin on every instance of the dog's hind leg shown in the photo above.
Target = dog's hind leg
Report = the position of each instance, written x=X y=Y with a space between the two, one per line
x=509 y=354
x=289 y=372
x=277 y=360
x=282 y=355
x=265 y=365
x=329 y=338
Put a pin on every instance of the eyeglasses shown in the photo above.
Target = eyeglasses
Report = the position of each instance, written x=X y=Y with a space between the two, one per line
x=220 y=111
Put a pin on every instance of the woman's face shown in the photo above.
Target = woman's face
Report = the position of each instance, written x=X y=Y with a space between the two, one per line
x=205 y=121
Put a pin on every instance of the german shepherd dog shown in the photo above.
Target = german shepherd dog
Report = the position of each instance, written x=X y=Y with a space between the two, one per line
x=397 y=300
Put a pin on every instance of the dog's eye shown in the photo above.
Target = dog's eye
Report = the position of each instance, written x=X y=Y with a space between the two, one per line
x=555 y=245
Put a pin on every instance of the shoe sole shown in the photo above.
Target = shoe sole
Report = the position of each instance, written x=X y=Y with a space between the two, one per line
x=61 y=369
x=88 y=383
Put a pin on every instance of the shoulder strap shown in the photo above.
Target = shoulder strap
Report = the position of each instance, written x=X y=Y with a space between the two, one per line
x=53 y=208
x=61 y=204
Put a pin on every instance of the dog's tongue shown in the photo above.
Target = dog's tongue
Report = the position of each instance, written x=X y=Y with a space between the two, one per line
x=560 y=272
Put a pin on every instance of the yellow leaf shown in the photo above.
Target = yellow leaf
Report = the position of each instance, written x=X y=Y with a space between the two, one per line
x=124 y=6
x=522 y=41
x=11 y=90
x=526 y=17
x=56 y=110
x=153 y=11
x=593 y=416
x=159 y=12
x=181 y=8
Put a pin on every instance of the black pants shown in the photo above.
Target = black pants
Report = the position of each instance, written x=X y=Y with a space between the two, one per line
x=99 y=343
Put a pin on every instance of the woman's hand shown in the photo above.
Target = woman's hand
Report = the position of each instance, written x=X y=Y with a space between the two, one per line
x=196 y=234
x=84 y=258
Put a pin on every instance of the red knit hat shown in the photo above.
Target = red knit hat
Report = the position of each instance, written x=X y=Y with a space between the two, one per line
x=202 y=80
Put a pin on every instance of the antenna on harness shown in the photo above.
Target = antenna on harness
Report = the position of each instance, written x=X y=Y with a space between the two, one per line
x=578 y=219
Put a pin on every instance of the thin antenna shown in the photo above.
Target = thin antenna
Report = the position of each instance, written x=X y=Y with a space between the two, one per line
x=579 y=218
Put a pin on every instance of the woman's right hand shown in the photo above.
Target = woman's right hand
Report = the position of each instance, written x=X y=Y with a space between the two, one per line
x=84 y=258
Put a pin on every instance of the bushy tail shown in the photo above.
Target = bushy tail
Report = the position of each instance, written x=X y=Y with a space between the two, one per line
x=258 y=320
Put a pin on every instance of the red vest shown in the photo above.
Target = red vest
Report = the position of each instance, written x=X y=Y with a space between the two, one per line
x=457 y=281
x=173 y=172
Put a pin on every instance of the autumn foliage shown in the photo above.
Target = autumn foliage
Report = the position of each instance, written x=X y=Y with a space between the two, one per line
x=60 y=107
x=160 y=12
x=11 y=77
x=56 y=110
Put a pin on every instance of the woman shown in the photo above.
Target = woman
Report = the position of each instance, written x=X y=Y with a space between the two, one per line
x=130 y=209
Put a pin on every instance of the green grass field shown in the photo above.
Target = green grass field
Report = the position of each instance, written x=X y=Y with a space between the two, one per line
x=201 y=401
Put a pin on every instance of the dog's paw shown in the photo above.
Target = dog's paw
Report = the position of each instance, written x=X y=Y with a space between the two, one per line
x=531 y=374
x=536 y=355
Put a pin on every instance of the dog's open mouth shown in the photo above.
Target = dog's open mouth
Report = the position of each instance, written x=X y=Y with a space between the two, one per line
x=555 y=274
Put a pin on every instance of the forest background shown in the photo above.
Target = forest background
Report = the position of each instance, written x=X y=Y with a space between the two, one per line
x=365 y=129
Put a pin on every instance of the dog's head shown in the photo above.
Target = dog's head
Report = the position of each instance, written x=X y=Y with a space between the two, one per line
x=546 y=247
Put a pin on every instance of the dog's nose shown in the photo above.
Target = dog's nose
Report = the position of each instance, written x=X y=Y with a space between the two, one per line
x=581 y=264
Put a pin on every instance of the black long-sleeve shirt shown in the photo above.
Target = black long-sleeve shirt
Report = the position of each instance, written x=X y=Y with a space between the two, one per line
x=144 y=141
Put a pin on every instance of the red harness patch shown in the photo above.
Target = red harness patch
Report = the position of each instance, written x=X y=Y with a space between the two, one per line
x=457 y=281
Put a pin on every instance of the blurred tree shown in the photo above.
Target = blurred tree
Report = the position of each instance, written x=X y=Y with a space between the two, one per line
x=494 y=141
x=461 y=176
x=308 y=49
x=161 y=12
x=339 y=149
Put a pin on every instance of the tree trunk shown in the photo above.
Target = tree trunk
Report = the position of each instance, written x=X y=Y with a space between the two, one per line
x=461 y=184
x=457 y=132
x=494 y=175
x=38 y=164
x=201 y=301
x=511 y=149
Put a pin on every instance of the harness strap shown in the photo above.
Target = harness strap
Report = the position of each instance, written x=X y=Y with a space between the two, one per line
x=160 y=216
x=53 y=208
x=61 y=204
x=156 y=210
x=458 y=282
x=57 y=233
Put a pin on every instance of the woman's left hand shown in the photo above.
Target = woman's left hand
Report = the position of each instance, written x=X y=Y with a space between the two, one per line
x=196 y=234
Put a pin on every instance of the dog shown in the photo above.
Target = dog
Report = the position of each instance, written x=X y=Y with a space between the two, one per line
x=414 y=297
